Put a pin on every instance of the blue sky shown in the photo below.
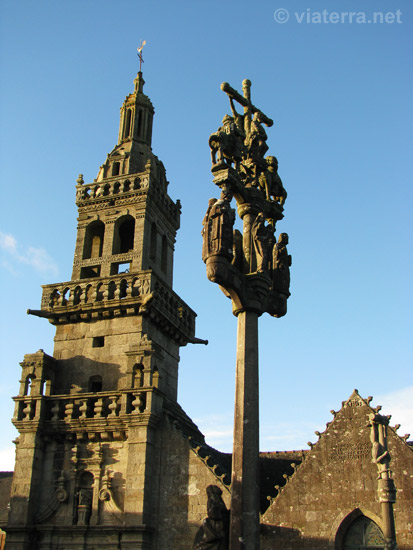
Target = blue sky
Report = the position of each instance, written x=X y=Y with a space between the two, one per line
x=340 y=95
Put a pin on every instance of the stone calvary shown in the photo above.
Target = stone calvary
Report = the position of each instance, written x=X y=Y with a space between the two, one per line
x=253 y=269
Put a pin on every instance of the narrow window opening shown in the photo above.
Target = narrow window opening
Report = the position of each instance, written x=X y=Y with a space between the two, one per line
x=153 y=241
x=116 y=169
x=127 y=124
x=126 y=234
x=93 y=244
x=140 y=123
x=164 y=254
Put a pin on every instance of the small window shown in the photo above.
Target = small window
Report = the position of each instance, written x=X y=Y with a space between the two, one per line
x=98 y=342
x=123 y=267
x=89 y=272
x=95 y=383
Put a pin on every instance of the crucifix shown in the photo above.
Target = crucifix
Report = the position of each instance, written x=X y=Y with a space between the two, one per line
x=252 y=269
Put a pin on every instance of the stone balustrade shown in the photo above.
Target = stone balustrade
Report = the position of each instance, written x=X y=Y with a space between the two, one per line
x=83 y=407
x=126 y=186
x=129 y=289
x=74 y=294
x=110 y=187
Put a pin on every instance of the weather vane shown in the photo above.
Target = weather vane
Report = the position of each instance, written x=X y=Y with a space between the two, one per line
x=140 y=54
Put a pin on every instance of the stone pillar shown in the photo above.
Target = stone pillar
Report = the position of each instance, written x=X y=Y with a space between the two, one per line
x=385 y=485
x=244 y=523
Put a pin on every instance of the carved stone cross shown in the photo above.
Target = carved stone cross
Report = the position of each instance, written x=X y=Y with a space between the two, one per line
x=253 y=270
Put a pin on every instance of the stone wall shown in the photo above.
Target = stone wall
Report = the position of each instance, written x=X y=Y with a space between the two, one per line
x=338 y=480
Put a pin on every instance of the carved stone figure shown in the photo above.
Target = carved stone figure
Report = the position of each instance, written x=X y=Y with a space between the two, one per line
x=281 y=262
x=261 y=235
x=256 y=141
x=271 y=183
x=214 y=532
x=227 y=143
x=217 y=228
x=378 y=438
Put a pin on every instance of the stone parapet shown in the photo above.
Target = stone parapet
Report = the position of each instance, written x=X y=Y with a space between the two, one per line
x=87 y=410
x=118 y=295
x=129 y=186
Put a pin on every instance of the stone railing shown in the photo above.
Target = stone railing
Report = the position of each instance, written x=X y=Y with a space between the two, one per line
x=75 y=294
x=127 y=291
x=83 y=407
x=110 y=187
x=127 y=186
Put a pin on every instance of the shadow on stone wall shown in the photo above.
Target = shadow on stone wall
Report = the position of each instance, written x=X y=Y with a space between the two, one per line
x=72 y=375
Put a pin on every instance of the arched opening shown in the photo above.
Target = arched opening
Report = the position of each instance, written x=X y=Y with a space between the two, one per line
x=138 y=376
x=77 y=293
x=116 y=169
x=363 y=534
x=46 y=387
x=95 y=383
x=127 y=123
x=140 y=123
x=164 y=254
x=359 y=532
x=93 y=244
x=124 y=236
x=28 y=386
x=153 y=241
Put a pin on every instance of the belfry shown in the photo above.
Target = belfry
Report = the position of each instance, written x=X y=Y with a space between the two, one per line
x=89 y=417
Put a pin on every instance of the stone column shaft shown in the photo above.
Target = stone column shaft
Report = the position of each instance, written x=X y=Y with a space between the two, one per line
x=244 y=524
x=389 y=530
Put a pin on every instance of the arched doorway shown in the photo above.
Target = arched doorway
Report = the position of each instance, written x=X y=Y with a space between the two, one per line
x=363 y=534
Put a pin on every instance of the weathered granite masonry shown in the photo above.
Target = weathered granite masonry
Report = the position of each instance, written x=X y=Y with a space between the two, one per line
x=105 y=457
x=337 y=483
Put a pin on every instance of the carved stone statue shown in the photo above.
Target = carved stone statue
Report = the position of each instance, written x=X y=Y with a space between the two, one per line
x=281 y=262
x=271 y=183
x=214 y=532
x=256 y=141
x=261 y=235
x=217 y=231
x=378 y=438
x=227 y=143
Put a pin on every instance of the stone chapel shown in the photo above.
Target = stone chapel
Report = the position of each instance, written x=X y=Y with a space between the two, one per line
x=105 y=457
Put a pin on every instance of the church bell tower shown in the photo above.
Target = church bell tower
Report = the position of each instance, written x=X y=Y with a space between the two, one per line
x=88 y=452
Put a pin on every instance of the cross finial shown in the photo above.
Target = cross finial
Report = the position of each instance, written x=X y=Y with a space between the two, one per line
x=143 y=42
